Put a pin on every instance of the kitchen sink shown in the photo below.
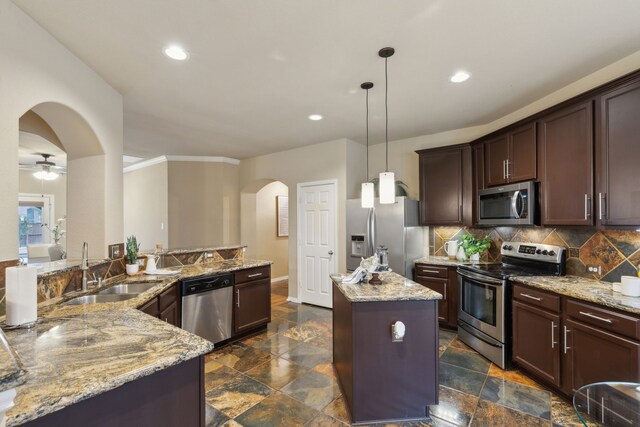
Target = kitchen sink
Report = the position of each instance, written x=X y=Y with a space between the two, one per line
x=96 y=299
x=127 y=288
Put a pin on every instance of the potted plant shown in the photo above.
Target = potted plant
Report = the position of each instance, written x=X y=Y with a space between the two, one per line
x=474 y=247
x=132 y=255
x=56 y=251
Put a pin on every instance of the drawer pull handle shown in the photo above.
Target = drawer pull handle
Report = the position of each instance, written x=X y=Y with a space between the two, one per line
x=255 y=275
x=531 y=297
x=429 y=271
x=593 y=316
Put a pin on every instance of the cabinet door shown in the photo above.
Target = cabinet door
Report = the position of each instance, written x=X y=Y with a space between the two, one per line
x=171 y=314
x=441 y=187
x=496 y=153
x=619 y=149
x=440 y=286
x=593 y=355
x=536 y=343
x=151 y=308
x=477 y=173
x=252 y=305
x=521 y=164
x=566 y=166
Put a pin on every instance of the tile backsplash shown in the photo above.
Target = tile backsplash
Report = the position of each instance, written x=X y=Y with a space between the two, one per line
x=616 y=251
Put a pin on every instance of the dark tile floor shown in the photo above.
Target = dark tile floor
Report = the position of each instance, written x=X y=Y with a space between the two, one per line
x=284 y=377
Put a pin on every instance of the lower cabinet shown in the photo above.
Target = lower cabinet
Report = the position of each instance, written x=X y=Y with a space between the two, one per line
x=443 y=280
x=166 y=306
x=251 y=299
x=573 y=343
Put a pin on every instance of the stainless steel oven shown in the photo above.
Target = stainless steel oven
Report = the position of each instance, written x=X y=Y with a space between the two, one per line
x=481 y=315
x=513 y=204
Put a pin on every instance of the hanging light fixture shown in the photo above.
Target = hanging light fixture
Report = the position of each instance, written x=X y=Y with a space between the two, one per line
x=367 y=194
x=387 y=181
x=45 y=173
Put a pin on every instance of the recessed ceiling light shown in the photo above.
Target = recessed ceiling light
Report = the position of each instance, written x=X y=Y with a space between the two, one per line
x=176 y=52
x=459 y=77
x=315 y=117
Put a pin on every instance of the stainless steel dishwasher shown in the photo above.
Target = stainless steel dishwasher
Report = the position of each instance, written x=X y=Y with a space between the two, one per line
x=207 y=305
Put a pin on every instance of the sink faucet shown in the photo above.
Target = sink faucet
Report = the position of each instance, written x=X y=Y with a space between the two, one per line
x=84 y=266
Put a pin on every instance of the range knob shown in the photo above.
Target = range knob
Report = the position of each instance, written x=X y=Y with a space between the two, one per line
x=545 y=252
x=505 y=247
x=552 y=253
x=538 y=251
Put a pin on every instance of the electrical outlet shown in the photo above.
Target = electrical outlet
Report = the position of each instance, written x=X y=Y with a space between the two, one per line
x=596 y=269
x=208 y=255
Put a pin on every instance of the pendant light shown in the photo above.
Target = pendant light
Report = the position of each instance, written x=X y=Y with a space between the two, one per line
x=367 y=194
x=387 y=181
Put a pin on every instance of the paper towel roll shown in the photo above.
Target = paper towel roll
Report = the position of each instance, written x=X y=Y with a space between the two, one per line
x=21 y=295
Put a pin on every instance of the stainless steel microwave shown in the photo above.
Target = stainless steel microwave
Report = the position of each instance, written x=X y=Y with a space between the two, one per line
x=513 y=204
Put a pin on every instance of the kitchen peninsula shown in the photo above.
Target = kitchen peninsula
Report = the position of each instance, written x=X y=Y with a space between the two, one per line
x=385 y=348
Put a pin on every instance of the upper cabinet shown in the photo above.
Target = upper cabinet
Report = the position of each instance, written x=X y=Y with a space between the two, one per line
x=565 y=143
x=511 y=157
x=445 y=184
x=619 y=152
x=477 y=174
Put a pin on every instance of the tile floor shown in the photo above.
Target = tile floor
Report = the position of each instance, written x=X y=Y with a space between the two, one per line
x=284 y=377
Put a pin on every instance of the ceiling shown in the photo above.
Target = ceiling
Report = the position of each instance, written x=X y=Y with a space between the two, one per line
x=258 y=68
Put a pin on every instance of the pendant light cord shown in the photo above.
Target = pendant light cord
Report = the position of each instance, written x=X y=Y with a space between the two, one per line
x=386 y=113
x=367 y=121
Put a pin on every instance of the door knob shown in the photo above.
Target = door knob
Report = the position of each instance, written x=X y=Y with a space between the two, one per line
x=330 y=252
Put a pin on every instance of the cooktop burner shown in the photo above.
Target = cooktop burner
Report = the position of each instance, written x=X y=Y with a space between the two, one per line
x=524 y=259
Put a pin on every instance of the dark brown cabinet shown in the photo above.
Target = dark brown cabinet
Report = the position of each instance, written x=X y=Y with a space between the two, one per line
x=251 y=299
x=444 y=180
x=511 y=157
x=565 y=141
x=443 y=280
x=166 y=306
x=619 y=151
x=477 y=174
x=536 y=344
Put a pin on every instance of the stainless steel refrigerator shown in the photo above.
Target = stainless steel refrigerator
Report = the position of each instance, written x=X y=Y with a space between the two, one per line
x=396 y=226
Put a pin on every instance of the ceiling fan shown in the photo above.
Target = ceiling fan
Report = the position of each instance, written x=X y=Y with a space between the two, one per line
x=44 y=169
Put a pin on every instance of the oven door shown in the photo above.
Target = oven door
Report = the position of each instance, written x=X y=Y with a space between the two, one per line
x=481 y=303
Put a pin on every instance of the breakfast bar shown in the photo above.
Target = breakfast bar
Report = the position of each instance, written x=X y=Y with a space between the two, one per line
x=385 y=348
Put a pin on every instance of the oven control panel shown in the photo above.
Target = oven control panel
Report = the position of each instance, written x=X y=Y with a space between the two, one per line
x=537 y=251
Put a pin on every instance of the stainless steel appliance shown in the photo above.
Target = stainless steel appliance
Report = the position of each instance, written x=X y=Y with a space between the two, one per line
x=395 y=226
x=207 y=304
x=484 y=295
x=514 y=204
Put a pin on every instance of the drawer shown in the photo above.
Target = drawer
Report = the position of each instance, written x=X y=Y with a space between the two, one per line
x=431 y=271
x=438 y=285
x=537 y=298
x=609 y=320
x=169 y=296
x=252 y=274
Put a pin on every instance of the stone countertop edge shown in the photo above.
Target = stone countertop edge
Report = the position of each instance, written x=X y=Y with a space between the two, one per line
x=139 y=346
x=52 y=312
x=394 y=287
x=581 y=288
x=12 y=373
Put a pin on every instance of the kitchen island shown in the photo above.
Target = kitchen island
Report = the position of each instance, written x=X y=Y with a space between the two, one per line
x=387 y=374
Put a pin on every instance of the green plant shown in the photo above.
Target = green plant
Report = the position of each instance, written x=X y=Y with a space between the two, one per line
x=472 y=245
x=132 y=249
x=401 y=187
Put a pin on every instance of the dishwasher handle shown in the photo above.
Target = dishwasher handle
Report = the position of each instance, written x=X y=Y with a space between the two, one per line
x=206 y=284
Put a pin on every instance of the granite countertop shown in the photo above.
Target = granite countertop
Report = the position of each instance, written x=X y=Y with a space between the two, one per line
x=445 y=261
x=77 y=357
x=581 y=288
x=79 y=351
x=12 y=372
x=394 y=287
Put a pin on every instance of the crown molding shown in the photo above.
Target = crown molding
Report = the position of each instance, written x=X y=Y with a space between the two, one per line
x=162 y=159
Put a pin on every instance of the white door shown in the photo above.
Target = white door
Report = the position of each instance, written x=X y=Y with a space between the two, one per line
x=317 y=237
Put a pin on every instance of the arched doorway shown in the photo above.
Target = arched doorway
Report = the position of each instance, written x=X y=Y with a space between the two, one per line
x=261 y=202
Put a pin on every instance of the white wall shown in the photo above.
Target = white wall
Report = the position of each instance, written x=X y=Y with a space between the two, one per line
x=37 y=69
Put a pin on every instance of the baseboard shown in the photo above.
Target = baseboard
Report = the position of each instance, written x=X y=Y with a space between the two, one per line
x=279 y=279
x=293 y=299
